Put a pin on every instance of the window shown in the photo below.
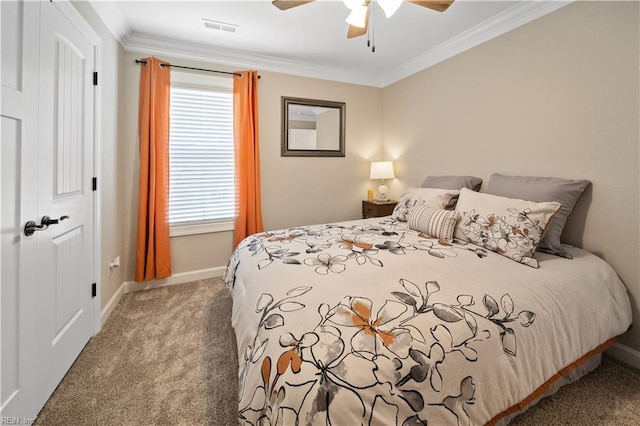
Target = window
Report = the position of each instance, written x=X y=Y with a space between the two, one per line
x=201 y=154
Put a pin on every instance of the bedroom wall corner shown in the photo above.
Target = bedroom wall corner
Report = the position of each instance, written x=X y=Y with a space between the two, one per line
x=558 y=96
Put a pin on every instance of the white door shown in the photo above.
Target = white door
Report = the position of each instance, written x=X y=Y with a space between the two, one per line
x=51 y=282
x=19 y=201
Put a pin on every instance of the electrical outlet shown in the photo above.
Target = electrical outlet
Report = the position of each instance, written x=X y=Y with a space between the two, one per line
x=114 y=262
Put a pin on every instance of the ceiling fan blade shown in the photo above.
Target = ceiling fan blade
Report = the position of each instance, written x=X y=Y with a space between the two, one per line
x=288 y=4
x=357 y=31
x=438 y=5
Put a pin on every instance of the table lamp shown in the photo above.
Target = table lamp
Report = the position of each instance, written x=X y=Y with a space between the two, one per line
x=382 y=170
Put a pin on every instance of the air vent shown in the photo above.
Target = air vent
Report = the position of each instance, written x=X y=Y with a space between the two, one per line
x=220 y=26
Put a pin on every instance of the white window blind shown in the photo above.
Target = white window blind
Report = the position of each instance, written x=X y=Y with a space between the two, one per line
x=201 y=156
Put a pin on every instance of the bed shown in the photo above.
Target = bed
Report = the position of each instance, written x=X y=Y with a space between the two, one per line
x=375 y=322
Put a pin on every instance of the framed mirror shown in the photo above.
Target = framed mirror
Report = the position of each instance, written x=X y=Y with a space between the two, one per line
x=312 y=128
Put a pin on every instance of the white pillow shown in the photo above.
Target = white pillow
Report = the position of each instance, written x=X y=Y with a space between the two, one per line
x=431 y=197
x=508 y=226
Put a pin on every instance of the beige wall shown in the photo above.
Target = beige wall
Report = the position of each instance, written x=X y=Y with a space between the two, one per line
x=295 y=191
x=109 y=178
x=556 y=97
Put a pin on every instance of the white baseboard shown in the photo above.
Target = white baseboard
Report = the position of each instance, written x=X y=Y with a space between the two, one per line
x=180 y=278
x=625 y=354
x=112 y=303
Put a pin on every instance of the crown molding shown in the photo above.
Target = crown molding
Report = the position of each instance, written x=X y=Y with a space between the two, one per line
x=495 y=26
x=514 y=17
x=146 y=44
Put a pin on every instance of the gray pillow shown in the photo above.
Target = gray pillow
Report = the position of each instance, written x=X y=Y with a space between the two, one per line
x=563 y=191
x=452 y=182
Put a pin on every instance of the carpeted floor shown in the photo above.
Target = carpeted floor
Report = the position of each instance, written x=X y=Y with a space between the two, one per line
x=164 y=357
x=168 y=357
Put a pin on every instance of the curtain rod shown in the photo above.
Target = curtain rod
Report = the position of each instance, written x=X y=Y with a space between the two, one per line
x=138 y=61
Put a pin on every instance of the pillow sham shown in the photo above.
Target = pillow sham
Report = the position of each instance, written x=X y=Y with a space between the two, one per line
x=436 y=223
x=563 y=191
x=508 y=226
x=431 y=197
x=452 y=182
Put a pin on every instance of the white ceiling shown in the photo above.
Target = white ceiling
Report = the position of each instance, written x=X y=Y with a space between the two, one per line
x=311 y=39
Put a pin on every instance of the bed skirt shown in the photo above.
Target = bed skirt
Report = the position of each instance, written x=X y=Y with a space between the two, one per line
x=571 y=373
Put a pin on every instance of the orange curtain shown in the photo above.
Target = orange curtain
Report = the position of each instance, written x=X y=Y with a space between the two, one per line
x=245 y=129
x=153 y=257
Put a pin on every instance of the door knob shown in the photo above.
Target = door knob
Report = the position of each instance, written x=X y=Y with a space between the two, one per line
x=46 y=220
x=31 y=227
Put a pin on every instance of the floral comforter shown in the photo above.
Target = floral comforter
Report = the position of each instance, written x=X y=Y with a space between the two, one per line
x=369 y=322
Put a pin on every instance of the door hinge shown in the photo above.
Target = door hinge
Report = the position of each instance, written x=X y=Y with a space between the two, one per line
x=95 y=78
x=94 y=289
x=94 y=183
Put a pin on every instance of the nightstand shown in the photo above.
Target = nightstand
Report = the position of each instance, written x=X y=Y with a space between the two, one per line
x=377 y=208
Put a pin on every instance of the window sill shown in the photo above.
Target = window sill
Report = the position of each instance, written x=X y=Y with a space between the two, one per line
x=200 y=228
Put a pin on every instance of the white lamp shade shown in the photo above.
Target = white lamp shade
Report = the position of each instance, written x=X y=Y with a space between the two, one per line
x=389 y=6
x=358 y=17
x=382 y=170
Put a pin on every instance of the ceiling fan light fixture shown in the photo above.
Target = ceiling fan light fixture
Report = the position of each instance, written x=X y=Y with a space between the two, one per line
x=389 y=6
x=358 y=17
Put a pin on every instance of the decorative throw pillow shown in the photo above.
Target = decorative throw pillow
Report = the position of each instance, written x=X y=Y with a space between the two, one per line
x=436 y=223
x=563 y=191
x=431 y=197
x=507 y=226
x=452 y=182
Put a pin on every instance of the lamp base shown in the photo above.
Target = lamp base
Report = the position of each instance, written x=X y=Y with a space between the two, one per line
x=382 y=193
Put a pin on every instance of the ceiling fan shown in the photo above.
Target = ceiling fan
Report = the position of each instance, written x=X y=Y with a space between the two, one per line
x=359 y=18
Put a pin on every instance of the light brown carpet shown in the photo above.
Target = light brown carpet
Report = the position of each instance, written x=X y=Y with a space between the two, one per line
x=164 y=357
x=168 y=357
